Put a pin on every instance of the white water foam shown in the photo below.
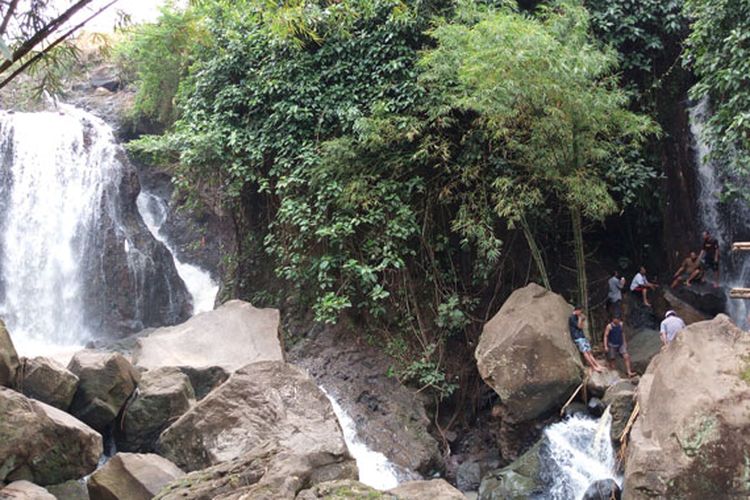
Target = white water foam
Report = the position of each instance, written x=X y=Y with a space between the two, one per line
x=53 y=186
x=375 y=470
x=580 y=453
x=198 y=282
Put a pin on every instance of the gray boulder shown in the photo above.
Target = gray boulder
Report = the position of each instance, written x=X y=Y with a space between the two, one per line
x=129 y=476
x=427 y=490
x=47 y=381
x=268 y=472
x=163 y=396
x=620 y=398
x=270 y=401
x=25 y=490
x=70 y=490
x=518 y=481
x=597 y=383
x=693 y=432
x=604 y=489
x=342 y=489
x=229 y=337
x=106 y=381
x=526 y=355
x=643 y=345
x=8 y=359
x=42 y=444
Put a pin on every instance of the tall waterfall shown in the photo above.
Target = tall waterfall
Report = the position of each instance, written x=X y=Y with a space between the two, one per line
x=727 y=222
x=578 y=453
x=74 y=259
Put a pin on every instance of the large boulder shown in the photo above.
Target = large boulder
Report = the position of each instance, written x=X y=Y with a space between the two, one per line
x=163 y=396
x=427 y=490
x=693 y=432
x=597 y=383
x=229 y=337
x=107 y=380
x=70 y=490
x=643 y=345
x=389 y=417
x=620 y=398
x=688 y=313
x=704 y=297
x=42 y=444
x=604 y=489
x=526 y=355
x=268 y=472
x=130 y=476
x=267 y=401
x=25 y=490
x=518 y=481
x=48 y=381
x=8 y=359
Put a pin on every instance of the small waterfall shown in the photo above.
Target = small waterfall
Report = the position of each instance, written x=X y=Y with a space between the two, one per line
x=726 y=222
x=201 y=287
x=578 y=452
x=375 y=470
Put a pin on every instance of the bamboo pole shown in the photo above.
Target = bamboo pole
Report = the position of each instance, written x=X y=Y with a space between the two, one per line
x=571 y=398
x=741 y=246
x=740 y=293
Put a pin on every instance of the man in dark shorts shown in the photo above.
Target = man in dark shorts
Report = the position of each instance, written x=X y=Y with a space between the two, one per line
x=575 y=325
x=689 y=270
x=615 y=343
x=710 y=255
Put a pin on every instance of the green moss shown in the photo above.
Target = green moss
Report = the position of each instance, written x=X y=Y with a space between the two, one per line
x=745 y=371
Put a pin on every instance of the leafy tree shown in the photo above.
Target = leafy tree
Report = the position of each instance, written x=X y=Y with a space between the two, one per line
x=35 y=35
x=718 y=50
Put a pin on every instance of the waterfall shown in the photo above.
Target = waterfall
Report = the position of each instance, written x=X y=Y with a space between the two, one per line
x=201 y=287
x=375 y=470
x=578 y=452
x=726 y=222
x=76 y=261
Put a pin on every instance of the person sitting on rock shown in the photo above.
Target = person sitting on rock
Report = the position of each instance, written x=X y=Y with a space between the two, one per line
x=670 y=327
x=615 y=285
x=575 y=324
x=615 y=343
x=690 y=270
x=709 y=255
x=640 y=285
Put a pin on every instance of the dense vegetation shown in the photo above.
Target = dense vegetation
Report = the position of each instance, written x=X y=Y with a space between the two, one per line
x=389 y=157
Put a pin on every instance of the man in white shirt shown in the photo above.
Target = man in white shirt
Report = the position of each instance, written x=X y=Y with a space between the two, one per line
x=640 y=285
x=670 y=327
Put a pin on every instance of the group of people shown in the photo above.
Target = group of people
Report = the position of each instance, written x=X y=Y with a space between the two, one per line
x=695 y=265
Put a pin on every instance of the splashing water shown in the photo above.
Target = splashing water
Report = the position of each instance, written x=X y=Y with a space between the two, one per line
x=198 y=282
x=52 y=187
x=375 y=470
x=578 y=453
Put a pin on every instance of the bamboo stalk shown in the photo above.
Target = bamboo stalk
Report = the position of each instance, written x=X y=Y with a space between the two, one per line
x=741 y=246
x=570 y=400
x=740 y=293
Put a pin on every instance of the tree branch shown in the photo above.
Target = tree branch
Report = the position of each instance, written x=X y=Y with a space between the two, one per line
x=8 y=16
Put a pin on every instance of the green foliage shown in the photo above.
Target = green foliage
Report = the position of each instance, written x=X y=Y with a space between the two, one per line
x=718 y=50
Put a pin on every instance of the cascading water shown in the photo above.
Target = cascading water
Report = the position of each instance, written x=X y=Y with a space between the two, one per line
x=375 y=470
x=727 y=223
x=578 y=452
x=76 y=261
x=201 y=287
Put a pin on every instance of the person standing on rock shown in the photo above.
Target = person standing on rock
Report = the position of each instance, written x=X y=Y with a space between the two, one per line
x=615 y=285
x=670 y=327
x=575 y=324
x=710 y=255
x=691 y=267
x=640 y=285
x=615 y=343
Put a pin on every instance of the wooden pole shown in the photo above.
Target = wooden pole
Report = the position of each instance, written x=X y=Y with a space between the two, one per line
x=740 y=293
x=741 y=246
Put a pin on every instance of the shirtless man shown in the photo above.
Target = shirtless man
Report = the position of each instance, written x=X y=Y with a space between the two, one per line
x=690 y=270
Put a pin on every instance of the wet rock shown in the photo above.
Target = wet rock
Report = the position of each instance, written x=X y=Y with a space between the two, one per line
x=42 y=444
x=390 y=417
x=25 y=490
x=163 y=396
x=598 y=382
x=688 y=313
x=468 y=476
x=642 y=347
x=605 y=489
x=639 y=317
x=229 y=337
x=266 y=401
x=106 y=381
x=342 y=490
x=268 y=472
x=596 y=407
x=48 y=381
x=70 y=490
x=427 y=490
x=693 y=433
x=8 y=358
x=704 y=297
x=576 y=408
x=620 y=398
x=526 y=355
x=518 y=481
x=130 y=476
